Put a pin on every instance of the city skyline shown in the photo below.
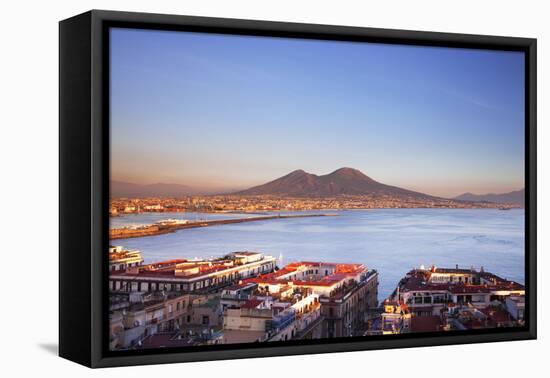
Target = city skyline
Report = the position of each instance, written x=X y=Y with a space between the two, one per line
x=225 y=113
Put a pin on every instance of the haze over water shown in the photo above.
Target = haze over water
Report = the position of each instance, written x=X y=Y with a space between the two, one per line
x=391 y=241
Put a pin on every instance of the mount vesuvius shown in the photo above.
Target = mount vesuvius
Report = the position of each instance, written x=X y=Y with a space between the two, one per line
x=343 y=181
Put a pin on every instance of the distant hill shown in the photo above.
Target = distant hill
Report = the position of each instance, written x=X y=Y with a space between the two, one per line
x=343 y=181
x=516 y=197
x=125 y=189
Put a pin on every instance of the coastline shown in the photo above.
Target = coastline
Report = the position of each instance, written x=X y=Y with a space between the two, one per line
x=159 y=229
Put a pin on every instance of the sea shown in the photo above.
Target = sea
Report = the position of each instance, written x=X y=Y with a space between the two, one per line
x=392 y=241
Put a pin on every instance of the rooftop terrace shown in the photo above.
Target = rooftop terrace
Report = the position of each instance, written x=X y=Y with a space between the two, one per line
x=484 y=282
x=288 y=274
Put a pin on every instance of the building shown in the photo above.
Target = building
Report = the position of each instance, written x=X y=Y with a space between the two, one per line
x=515 y=304
x=394 y=319
x=237 y=294
x=121 y=259
x=177 y=339
x=428 y=291
x=172 y=222
x=204 y=312
x=153 y=208
x=140 y=319
x=346 y=292
x=191 y=276
x=135 y=316
x=288 y=313
x=459 y=299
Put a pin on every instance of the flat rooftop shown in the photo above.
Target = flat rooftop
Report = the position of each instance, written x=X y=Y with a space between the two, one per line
x=241 y=337
x=188 y=269
x=426 y=323
x=419 y=280
x=341 y=272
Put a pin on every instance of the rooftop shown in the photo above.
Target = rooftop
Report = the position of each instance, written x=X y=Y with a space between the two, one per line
x=252 y=303
x=496 y=314
x=420 y=279
x=341 y=272
x=241 y=337
x=188 y=269
x=426 y=323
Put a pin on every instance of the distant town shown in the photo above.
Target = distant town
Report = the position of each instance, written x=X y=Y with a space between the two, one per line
x=246 y=297
x=228 y=203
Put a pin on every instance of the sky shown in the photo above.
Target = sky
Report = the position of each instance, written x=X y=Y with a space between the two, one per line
x=220 y=112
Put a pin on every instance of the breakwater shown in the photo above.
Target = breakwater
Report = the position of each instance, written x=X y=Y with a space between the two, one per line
x=159 y=229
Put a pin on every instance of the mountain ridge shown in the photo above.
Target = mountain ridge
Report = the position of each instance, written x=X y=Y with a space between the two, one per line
x=516 y=197
x=343 y=181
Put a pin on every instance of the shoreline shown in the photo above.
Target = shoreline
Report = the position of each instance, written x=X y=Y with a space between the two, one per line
x=261 y=212
x=155 y=229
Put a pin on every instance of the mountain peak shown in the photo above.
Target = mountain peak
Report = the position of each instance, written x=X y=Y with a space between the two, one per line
x=297 y=172
x=348 y=172
x=346 y=169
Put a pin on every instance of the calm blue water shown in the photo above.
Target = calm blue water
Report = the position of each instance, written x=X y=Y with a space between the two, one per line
x=390 y=240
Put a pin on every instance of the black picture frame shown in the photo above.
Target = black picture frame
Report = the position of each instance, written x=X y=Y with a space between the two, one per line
x=84 y=185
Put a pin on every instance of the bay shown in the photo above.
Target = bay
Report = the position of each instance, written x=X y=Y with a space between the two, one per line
x=392 y=241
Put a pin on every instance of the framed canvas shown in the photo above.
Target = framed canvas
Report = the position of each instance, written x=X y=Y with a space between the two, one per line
x=236 y=188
